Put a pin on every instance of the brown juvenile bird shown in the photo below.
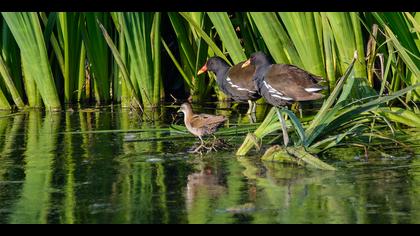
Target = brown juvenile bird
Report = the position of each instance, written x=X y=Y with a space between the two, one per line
x=234 y=81
x=200 y=124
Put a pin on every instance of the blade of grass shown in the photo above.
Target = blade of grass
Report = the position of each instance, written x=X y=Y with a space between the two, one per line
x=317 y=123
x=4 y=104
x=301 y=27
x=276 y=38
x=204 y=35
x=228 y=36
x=26 y=29
x=121 y=66
x=10 y=84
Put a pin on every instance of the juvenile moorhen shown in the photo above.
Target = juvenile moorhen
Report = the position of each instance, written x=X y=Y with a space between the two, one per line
x=281 y=84
x=200 y=124
x=235 y=81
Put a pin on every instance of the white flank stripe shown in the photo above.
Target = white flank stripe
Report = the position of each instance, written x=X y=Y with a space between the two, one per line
x=244 y=89
x=310 y=90
x=271 y=89
x=281 y=97
x=236 y=86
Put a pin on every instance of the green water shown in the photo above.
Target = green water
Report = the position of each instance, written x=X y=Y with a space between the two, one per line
x=81 y=167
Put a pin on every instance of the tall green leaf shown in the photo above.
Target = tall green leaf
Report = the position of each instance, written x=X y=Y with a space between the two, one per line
x=70 y=29
x=228 y=36
x=4 y=104
x=301 y=27
x=276 y=38
x=98 y=54
x=26 y=29
x=132 y=93
x=4 y=71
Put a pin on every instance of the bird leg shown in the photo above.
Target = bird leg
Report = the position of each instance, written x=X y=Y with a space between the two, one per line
x=252 y=118
x=283 y=127
x=300 y=109
x=297 y=106
x=201 y=145
x=254 y=107
x=249 y=107
x=251 y=111
x=213 y=143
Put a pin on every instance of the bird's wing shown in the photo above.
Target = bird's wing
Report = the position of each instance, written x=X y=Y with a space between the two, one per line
x=299 y=93
x=242 y=77
x=206 y=120
x=292 y=82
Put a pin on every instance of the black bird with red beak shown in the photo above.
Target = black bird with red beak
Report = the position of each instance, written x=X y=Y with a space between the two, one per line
x=281 y=84
x=235 y=81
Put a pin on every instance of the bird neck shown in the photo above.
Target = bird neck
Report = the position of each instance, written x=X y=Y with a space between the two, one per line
x=222 y=73
x=187 y=115
x=260 y=72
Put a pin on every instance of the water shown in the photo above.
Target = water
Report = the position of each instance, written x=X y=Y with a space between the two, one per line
x=82 y=167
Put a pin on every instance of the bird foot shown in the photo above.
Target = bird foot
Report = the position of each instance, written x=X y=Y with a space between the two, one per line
x=200 y=148
x=214 y=145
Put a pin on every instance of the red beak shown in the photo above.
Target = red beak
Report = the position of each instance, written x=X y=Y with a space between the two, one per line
x=202 y=70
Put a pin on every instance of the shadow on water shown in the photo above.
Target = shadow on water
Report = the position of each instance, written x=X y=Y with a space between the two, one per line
x=86 y=167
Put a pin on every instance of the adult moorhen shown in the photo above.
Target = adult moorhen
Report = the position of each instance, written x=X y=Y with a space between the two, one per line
x=200 y=124
x=235 y=81
x=281 y=84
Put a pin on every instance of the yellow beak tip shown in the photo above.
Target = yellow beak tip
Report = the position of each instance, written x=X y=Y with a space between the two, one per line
x=246 y=63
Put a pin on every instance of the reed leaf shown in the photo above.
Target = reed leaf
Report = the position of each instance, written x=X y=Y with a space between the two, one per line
x=412 y=63
x=318 y=123
x=400 y=115
x=302 y=29
x=156 y=58
x=276 y=38
x=269 y=125
x=10 y=84
x=204 y=35
x=185 y=45
x=345 y=38
x=228 y=35
x=98 y=54
x=298 y=126
x=137 y=29
x=312 y=161
x=26 y=30
x=32 y=93
x=349 y=114
x=328 y=44
x=176 y=63
x=193 y=50
x=398 y=23
x=132 y=93
x=70 y=25
x=4 y=104
x=49 y=36
x=82 y=73
x=11 y=58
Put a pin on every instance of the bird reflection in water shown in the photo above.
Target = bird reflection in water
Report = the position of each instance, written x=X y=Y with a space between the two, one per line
x=204 y=184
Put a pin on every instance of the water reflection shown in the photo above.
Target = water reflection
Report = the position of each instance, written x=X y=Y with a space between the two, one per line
x=205 y=183
x=81 y=167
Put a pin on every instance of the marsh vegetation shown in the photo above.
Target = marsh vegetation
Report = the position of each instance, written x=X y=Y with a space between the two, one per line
x=93 y=96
